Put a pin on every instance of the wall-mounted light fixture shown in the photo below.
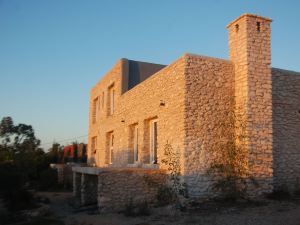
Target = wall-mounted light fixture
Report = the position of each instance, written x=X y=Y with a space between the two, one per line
x=162 y=103
x=122 y=120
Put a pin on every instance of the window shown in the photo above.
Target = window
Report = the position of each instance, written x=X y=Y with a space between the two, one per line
x=258 y=26
x=110 y=147
x=135 y=143
x=237 y=28
x=133 y=154
x=95 y=110
x=111 y=96
x=102 y=100
x=153 y=141
x=94 y=145
x=99 y=103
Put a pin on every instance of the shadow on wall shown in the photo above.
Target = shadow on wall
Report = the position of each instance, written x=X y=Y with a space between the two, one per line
x=286 y=129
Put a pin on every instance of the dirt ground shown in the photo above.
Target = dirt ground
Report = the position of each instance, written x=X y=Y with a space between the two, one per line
x=268 y=212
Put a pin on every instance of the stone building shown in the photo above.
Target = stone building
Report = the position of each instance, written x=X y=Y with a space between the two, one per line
x=137 y=108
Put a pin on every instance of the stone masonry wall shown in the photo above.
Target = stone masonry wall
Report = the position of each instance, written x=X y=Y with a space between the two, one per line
x=209 y=93
x=77 y=185
x=138 y=106
x=88 y=189
x=189 y=98
x=120 y=187
x=286 y=129
x=250 y=51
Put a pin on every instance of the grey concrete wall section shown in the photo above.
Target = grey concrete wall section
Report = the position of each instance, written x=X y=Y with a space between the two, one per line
x=135 y=72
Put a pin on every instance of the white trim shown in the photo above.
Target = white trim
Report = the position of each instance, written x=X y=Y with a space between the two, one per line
x=153 y=141
x=135 y=144
x=94 y=145
x=111 y=148
x=112 y=100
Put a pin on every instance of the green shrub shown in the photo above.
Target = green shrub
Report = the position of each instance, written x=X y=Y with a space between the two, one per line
x=140 y=209
x=48 y=180
x=19 y=199
x=143 y=209
x=280 y=194
x=129 y=209
x=165 y=195
x=9 y=218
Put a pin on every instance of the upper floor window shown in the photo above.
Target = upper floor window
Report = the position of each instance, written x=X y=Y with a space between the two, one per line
x=102 y=100
x=95 y=108
x=93 y=145
x=111 y=100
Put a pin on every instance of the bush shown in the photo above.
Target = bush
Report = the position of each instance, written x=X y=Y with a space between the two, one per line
x=9 y=218
x=141 y=209
x=165 y=195
x=129 y=209
x=280 y=194
x=12 y=188
x=48 y=180
x=19 y=199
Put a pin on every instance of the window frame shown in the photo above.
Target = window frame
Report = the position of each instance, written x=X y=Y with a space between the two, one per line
x=111 y=101
x=111 y=147
x=135 y=143
x=94 y=145
x=95 y=110
x=153 y=140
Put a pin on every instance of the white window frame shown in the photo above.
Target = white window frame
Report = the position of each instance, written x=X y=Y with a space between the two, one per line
x=94 y=145
x=95 y=110
x=153 y=141
x=99 y=103
x=102 y=100
x=135 y=144
x=111 y=148
x=112 y=100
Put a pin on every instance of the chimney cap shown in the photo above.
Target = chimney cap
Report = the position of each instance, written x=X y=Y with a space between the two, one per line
x=248 y=15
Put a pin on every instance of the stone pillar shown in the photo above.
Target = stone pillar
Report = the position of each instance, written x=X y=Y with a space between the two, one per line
x=250 y=51
x=89 y=188
x=76 y=184
x=60 y=173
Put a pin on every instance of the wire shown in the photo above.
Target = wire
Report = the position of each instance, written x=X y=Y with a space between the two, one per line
x=64 y=140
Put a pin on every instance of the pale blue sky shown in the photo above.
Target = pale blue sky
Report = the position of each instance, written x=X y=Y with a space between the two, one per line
x=53 y=51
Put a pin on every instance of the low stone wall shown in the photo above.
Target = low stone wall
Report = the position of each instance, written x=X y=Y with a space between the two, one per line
x=114 y=188
x=120 y=187
x=77 y=185
x=88 y=189
x=64 y=172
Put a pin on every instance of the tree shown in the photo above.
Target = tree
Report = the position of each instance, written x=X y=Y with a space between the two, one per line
x=19 y=146
x=16 y=139
x=56 y=153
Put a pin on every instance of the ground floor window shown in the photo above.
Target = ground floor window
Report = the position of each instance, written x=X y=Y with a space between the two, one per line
x=110 y=147
x=153 y=141
x=135 y=144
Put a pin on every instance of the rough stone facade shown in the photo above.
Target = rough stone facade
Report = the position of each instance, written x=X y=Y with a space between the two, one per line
x=188 y=100
x=209 y=89
x=138 y=106
x=250 y=51
x=140 y=186
x=107 y=187
x=286 y=129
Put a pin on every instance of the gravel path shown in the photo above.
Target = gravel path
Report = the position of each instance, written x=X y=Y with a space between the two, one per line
x=269 y=213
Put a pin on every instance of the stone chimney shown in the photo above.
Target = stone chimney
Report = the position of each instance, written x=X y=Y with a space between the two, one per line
x=250 y=51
